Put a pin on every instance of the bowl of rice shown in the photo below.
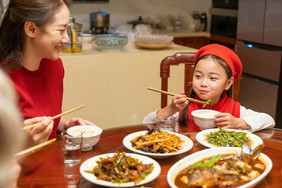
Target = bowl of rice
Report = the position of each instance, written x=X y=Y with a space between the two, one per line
x=204 y=118
x=91 y=135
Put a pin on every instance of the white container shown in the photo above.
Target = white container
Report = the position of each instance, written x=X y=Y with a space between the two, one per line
x=204 y=119
x=91 y=135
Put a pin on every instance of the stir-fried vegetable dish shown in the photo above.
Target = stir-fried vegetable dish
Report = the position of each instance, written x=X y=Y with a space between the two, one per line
x=227 y=138
x=219 y=171
x=121 y=168
x=155 y=141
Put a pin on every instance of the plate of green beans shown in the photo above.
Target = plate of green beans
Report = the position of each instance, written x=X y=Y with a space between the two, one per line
x=220 y=137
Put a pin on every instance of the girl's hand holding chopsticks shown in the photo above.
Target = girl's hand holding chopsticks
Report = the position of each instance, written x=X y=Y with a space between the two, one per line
x=41 y=132
x=205 y=103
x=179 y=102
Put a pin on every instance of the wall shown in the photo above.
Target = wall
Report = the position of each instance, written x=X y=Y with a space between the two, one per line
x=113 y=84
x=122 y=11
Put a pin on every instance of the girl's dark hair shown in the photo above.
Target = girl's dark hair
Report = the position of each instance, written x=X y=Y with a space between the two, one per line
x=12 y=34
x=184 y=115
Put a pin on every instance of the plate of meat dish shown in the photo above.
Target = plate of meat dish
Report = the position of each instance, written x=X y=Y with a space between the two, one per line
x=227 y=138
x=120 y=169
x=157 y=144
x=218 y=167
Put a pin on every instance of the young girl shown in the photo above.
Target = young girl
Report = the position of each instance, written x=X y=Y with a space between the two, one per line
x=32 y=34
x=216 y=68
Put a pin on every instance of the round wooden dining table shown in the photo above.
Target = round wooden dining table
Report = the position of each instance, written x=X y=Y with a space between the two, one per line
x=46 y=167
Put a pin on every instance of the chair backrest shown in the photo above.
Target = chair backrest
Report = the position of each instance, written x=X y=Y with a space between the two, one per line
x=189 y=60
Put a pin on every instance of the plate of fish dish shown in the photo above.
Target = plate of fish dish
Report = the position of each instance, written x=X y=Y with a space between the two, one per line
x=219 y=167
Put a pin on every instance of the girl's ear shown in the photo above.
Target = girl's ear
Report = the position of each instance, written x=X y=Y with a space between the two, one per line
x=31 y=29
x=229 y=83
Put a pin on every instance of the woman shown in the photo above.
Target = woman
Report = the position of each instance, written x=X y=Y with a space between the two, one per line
x=216 y=69
x=10 y=130
x=31 y=37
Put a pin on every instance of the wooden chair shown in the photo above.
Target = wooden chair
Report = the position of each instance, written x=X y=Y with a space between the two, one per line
x=187 y=59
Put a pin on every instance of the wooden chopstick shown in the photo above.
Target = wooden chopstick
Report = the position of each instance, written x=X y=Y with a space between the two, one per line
x=56 y=116
x=173 y=94
x=33 y=149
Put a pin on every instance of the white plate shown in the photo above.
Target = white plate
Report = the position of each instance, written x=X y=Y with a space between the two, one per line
x=201 y=138
x=196 y=157
x=187 y=145
x=89 y=164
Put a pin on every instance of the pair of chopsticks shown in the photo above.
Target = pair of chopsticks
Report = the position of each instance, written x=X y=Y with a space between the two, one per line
x=55 y=117
x=205 y=103
x=33 y=149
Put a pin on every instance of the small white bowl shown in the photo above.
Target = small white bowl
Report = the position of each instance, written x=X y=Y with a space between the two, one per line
x=91 y=135
x=204 y=119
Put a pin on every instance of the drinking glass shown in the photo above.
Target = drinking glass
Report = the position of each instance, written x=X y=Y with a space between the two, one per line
x=167 y=123
x=71 y=145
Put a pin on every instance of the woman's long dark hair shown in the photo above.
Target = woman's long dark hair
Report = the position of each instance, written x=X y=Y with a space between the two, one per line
x=184 y=115
x=12 y=34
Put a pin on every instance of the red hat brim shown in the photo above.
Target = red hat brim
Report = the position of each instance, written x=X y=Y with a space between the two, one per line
x=226 y=54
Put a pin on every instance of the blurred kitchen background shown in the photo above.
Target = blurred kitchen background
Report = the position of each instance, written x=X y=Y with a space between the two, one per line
x=163 y=13
x=252 y=28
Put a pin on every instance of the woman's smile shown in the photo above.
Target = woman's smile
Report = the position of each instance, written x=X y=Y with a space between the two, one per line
x=58 y=49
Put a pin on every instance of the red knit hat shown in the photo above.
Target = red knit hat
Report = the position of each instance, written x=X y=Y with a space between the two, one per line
x=226 y=54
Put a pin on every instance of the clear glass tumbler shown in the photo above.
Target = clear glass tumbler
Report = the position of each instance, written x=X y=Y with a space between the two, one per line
x=71 y=145
x=165 y=123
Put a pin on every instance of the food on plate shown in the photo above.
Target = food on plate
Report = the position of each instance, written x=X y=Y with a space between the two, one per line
x=121 y=169
x=227 y=138
x=155 y=141
x=226 y=170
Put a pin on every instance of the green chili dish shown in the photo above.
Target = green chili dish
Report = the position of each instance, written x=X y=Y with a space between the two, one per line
x=227 y=138
x=121 y=168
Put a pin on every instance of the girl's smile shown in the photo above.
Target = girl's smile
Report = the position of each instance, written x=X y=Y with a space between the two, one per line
x=210 y=80
x=203 y=91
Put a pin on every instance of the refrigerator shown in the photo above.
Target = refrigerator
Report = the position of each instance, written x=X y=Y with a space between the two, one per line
x=259 y=46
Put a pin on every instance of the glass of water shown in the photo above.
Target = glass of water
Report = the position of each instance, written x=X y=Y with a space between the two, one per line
x=167 y=123
x=71 y=145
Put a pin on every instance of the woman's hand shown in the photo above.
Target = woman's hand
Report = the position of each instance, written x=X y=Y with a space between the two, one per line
x=74 y=122
x=41 y=132
x=228 y=121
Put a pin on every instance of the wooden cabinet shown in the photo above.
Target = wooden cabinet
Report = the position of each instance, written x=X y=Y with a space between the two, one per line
x=193 y=42
x=260 y=21
x=226 y=41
